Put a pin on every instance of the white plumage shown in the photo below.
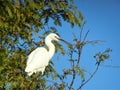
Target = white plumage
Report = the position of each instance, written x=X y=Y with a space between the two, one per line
x=39 y=58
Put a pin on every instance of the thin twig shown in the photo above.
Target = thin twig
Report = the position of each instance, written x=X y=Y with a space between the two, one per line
x=95 y=42
x=81 y=34
x=74 y=73
x=85 y=36
x=84 y=82
x=73 y=79
x=79 y=55
x=81 y=31
x=111 y=66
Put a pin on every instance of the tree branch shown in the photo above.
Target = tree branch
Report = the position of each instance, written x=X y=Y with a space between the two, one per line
x=111 y=66
x=74 y=66
x=73 y=79
x=74 y=73
x=84 y=82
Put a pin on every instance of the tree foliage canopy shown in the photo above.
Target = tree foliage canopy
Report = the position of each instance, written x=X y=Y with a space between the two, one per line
x=21 y=21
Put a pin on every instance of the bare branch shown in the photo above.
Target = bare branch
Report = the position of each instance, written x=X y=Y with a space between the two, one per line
x=73 y=79
x=95 y=42
x=81 y=31
x=74 y=73
x=110 y=66
x=74 y=66
x=85 y=35
x=79 y=55
x=84 y=82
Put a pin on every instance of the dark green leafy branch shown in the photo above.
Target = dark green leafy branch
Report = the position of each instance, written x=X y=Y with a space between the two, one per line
x=21 y=21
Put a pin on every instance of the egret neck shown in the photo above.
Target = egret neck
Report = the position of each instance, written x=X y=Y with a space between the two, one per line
x=51 y=47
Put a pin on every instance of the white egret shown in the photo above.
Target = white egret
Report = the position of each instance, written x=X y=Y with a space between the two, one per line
x=39 y=58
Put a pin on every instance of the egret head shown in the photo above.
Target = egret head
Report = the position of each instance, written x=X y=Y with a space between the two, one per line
x=53 y=37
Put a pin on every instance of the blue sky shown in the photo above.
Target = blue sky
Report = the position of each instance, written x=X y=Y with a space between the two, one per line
x=103 y=21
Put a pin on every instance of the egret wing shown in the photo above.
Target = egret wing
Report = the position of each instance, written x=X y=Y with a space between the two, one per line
x=38 y=58
x=30 y=57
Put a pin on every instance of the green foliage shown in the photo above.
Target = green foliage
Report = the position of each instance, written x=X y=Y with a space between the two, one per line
x=101 y=57
x=80 y=72
x=20 y=23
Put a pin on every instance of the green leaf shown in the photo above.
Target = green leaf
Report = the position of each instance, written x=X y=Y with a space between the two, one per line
x=9 y=11
x=80 y=72
x=21 y=23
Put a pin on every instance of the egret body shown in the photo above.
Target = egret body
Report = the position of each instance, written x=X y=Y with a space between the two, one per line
x=39 y=58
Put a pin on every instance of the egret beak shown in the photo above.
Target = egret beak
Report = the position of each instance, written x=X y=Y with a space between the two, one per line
x=65 y=41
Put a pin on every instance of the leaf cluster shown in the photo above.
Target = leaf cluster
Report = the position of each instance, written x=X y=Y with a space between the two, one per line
x=21 y=21
x=100 y=57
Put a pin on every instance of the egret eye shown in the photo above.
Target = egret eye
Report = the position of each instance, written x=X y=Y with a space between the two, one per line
x=57 y=37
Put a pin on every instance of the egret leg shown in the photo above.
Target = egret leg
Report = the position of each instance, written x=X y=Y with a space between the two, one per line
x=41 y=69
x=30 y=73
